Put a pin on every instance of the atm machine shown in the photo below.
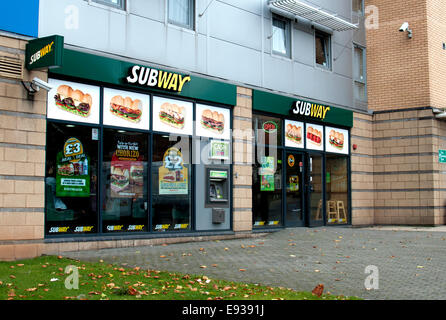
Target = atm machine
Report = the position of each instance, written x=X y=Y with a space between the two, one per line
x=213 y=183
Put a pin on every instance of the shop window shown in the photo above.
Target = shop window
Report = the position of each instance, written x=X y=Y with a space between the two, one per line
x=125 y=183
x=337 y=189
x=281 y=37
x=171 y=183
x=181 y=13
x=323 y=49
x=119 y=4
x=267 y=187
x=71 y=201
x=268 y=130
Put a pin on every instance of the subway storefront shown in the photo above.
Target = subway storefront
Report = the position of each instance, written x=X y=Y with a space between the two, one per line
x=136 y=149
x=301 y=171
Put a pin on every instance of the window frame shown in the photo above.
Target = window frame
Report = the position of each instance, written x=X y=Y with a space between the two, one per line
x=288 y=37
x=328 y=49
x=192 y=18
x=358 y=81
x=360 y=13
x=107 y=4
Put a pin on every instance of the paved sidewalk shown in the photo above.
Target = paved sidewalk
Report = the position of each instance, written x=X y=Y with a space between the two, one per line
x=411 y=265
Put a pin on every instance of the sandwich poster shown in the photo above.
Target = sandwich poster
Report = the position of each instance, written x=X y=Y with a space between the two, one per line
x=127 y=171
x=173 y=116
x=212 y=122
x=314 y=137
x=126 y=109
x=294 y=133
x=172 y=175
x=73 y=172
x=73 y=102
x=336 y=140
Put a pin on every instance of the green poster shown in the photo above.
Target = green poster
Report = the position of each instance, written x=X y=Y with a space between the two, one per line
x=267 y=166
x=267 y=183
x=73 y=172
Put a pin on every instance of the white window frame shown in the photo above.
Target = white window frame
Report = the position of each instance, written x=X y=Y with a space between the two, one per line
x=329 y=50
x=288 y=38
x=124 y=9
x=357 y=80
x=362 y=12
x=192 y=17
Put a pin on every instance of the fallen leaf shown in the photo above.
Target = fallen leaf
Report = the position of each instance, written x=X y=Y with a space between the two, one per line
x=31 y=289
x=203 y=267
x=318 y=290
x=242 y=270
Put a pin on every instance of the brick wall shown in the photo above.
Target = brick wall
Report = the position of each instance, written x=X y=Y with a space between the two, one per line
x=22 y=160
x=242 y=160
x=398 y=67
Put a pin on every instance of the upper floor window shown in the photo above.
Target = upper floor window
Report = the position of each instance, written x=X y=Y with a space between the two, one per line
x=281 y=36
x=323 y=49
x=359 y=72
x=358 y=7
x=181 y=13
x=119 y=4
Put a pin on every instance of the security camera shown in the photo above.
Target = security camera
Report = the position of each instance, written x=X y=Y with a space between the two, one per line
x=38 y=83
x=404 y=27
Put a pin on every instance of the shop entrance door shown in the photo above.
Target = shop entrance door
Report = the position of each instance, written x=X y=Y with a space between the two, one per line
x=314 y=189
x=294 y=199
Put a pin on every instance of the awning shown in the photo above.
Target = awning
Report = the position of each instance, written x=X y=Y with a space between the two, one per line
x=313 y=14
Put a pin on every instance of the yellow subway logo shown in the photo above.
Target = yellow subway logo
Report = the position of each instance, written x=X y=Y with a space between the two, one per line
x=41 y=53
x=308 y=109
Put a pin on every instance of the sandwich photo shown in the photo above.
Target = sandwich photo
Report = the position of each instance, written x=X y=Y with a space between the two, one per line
x=294 y=133
x=65 y=169
x=213 y=121
x=74 y=101
x=314 y=136
x=119 y=178
x=336 y=139
x=172 y=115
x=126 y=108
x=170 y=177
x=137 y=175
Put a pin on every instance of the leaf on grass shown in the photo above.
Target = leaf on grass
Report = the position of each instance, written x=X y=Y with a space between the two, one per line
x=318 y=290
x=31 y=289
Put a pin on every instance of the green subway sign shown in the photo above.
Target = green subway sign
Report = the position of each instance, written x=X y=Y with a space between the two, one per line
x=298 y=109
x=44 y=53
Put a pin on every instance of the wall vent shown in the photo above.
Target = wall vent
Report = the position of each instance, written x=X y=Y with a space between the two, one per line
x=11 y=67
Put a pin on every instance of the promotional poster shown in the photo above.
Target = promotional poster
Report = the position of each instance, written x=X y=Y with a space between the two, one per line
x=73 y=174
x=126 y=109
x=73 y=102
x=336 y=140
x=173 y=116
x=314 y=137
x=294 y=133
x=173 y=178
x=212 y=122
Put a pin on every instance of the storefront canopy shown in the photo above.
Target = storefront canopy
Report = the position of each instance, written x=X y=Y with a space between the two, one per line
x=313 y=14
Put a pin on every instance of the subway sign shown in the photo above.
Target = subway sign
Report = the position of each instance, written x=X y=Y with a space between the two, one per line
x=308 y=109
x=44 y=53
x=158 y=79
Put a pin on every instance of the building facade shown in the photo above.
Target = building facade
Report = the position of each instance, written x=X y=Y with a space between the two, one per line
x=170 y=120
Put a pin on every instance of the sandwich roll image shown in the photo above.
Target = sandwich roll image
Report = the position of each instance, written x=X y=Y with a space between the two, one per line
x=126 y=108
x=74 y=101
x=294 y=133
x=213 y=121
x=336 y=139
x=119 y=178
x=172 y=115
x=314 y=136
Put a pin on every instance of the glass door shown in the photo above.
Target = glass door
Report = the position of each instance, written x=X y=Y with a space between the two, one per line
x=294 y=190
x=315 y=206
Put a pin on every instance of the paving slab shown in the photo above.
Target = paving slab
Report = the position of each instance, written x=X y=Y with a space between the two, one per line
x=409 y=265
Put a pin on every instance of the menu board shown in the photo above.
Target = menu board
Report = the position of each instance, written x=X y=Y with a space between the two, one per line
x=294 y=133
x=172 y=174
x=73 y=173
x=126 y=109
x=173 y=116
x=127 y=171
x=212 y=122
x=72 y=101
x=314 y=137
x=336 y=140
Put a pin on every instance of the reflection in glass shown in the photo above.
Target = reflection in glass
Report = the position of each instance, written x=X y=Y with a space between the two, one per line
x=171 y=185
x=267 y=187
x=294 y=190
x=71 y=180
x=125 y=184
x=337 y=189
x=315 y=186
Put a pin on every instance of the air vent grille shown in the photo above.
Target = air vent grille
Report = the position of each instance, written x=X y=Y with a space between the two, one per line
x=11 y=67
